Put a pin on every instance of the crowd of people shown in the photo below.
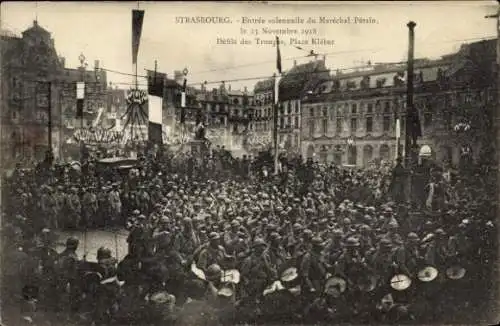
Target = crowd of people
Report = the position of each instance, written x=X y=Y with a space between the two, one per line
x=222 y=240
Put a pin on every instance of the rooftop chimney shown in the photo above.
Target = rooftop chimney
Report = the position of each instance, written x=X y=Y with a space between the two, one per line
x=229 y=88
x=245 y=90
x=63 y=61
x=294 y=63
x=96 y=64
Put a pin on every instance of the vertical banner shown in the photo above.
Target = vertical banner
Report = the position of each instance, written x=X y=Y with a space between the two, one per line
x=183 y=94
x=156 y=82
x=80 y=94
x=398 y=136
x=137 y=19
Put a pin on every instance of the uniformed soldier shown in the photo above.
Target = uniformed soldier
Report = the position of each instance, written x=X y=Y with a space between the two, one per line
x=187 y=241
x=256 y=270
x=213 y=253
x=68 y=273
x=115 y=205
x=313 y=267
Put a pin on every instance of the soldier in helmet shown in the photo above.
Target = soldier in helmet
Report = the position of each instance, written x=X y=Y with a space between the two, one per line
x=45 y=258
x=68 y=266
x=313 y=267
x=214 y=253
x=257 y=271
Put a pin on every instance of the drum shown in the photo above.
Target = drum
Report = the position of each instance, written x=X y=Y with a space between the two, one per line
x=231 y=276
x=400 y=282
x=198 y=272
x=335 y=286
x=290 y=278
x=367 y=283
x=455 y=272
x=427 y=274
x=276 y=286
x=226 y=291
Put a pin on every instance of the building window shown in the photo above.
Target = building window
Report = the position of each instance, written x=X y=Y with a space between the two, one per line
x=447 y=119
x=297 y=140
x=387 y=123
x=297 y=122
x=338 y=126
x=325 y=126
x=325 y=112
x=427 y=118
x=354 y=108
x=369 y=108
x=289 y=108
x=312 y=112
x=369 y=124
x=387 y=107
x=282 y=123
x=354 y=124
x=311 y=128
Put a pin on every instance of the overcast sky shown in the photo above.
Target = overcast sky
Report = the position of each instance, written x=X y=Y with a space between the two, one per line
x=103 y=31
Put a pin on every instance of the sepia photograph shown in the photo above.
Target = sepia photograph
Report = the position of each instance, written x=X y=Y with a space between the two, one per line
x=249 y=163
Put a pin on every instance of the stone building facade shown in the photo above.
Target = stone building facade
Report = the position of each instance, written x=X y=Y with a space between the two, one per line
x=351 y=119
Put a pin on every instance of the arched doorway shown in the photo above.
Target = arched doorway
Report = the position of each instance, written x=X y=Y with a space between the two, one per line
x=310 y=151
x=385 y=152
x=367 y=155
x=352 y=155
x=337 y=155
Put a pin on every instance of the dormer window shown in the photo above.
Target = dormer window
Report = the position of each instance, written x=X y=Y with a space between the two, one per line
x=351 y=84
x=380 y=82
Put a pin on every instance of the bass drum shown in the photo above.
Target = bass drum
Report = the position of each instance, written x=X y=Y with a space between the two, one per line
x=335 y=286
x=456 y=269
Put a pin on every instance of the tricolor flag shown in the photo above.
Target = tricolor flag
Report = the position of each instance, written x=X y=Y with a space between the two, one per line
x=156 y=83
x=137 y=19
x=183 y=101
x=80 y=95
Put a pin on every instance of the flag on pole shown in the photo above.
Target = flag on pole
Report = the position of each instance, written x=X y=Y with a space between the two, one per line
x=80 y=95
x=183 y=94
x=183 y=102
x=278 y=55
x=137 y=19
x=156 y=81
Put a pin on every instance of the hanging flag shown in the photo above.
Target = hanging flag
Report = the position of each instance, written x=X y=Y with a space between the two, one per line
x=137 y=19
x=278 y=55
x=183 y=102
x=80 y=94
x=183 y=94
x=156 y=83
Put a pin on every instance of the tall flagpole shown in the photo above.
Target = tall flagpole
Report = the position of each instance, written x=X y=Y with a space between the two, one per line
x=276 y=105
x=275 y=122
